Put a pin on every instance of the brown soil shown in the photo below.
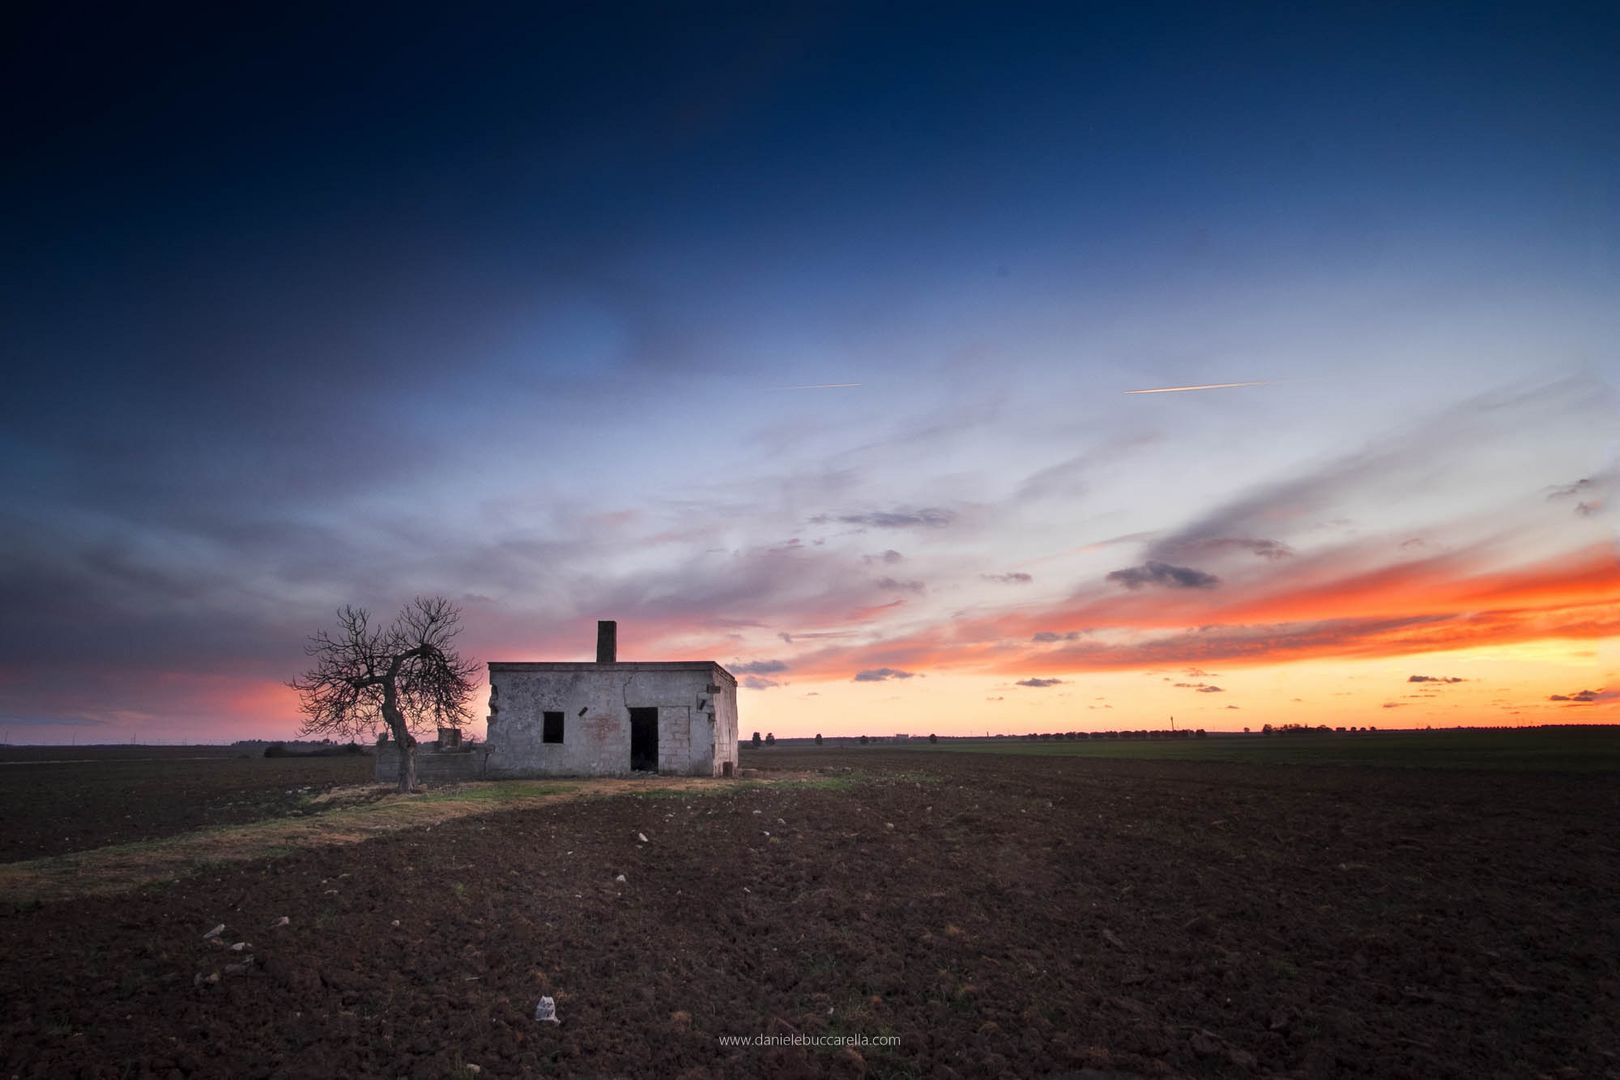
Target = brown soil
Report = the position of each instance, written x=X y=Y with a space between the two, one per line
x=1000 y=915
x=55 y=800
x=343 y=815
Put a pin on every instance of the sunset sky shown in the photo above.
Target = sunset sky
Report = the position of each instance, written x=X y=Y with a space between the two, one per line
x=801 y=337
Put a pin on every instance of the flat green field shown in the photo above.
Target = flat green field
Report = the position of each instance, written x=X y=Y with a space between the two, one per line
x=1591 y=749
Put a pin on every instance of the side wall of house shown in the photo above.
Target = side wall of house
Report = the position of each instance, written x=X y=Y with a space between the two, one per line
x=595 y=702
x=725 y=728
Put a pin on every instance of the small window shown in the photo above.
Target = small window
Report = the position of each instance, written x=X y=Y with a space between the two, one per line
x=552 y=731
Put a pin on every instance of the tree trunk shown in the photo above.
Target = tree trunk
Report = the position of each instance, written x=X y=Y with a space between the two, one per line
x=402 y=736
x=407 y=769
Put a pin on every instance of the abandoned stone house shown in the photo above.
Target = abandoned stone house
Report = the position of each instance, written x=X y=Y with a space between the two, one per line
x=606 y=718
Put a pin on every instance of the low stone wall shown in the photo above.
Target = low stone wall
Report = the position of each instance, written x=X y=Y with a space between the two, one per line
x=431 y=767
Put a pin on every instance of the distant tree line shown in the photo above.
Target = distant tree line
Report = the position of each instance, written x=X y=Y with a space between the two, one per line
x=328 y=749
x=1307 y=729
x=1149 y=733
x=1081 y=736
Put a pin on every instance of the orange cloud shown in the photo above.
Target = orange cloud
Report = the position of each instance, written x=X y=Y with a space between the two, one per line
x=1444 y=602
x=1441 y=584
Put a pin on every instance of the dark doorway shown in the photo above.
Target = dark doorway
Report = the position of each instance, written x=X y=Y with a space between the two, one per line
x=644 y=740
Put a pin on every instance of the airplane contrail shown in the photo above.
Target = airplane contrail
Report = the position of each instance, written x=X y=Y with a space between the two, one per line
x=822 y=386
x=1205 y=386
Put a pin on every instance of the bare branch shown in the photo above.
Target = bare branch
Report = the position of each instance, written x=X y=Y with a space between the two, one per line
x=359 y=671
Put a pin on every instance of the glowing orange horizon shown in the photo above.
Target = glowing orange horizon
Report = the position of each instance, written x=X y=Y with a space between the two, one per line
x=1299 y=613
x=1426 y=606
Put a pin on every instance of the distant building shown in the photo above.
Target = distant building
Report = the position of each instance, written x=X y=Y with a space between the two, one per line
x=608 y=718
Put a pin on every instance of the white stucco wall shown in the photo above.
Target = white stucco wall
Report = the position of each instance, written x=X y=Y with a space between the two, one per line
x=725 y=729
x=697 y=726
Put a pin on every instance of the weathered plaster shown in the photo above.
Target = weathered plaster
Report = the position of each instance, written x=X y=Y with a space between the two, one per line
x=697 y=726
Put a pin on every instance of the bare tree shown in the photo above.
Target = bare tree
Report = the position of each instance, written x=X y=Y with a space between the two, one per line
x=409 y=675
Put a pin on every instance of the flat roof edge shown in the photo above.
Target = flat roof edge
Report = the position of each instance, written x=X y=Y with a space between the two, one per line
x=619 y=665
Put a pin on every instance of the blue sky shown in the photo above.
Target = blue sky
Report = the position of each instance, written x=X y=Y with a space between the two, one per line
x=306 y=308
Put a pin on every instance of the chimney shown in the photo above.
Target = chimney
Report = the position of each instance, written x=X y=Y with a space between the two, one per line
x=607 y=641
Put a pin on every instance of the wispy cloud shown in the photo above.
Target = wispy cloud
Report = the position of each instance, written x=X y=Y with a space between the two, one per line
x=1220 y=545
x=1203 y=386
x=1409 y=464
x=882 y=675
x=928 y=517
x=1165 y=575
x=760 y=667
